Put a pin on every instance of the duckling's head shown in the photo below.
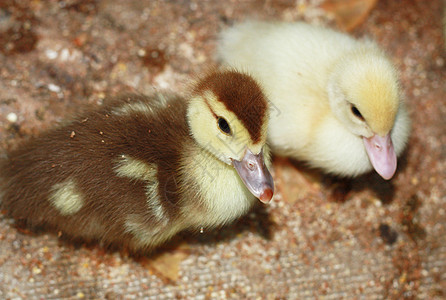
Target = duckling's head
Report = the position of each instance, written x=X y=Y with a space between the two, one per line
x=228 y=116
x=364 y=95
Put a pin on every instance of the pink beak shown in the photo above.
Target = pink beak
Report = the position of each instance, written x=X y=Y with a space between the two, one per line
x=381 y=154
x=255 y=175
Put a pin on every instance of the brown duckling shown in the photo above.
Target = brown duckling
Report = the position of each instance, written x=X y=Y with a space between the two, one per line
x=140 y=169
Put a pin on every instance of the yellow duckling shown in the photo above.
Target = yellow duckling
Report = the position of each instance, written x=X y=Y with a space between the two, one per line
x=335 y=100
x=140 y=169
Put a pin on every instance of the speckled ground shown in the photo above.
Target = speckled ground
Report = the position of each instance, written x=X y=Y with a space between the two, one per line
x=320 y=238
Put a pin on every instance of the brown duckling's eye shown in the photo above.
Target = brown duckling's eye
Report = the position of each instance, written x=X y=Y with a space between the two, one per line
x=223 y=125
x=357 y=113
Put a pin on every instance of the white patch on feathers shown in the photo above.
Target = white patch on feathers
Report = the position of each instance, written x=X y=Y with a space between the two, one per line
x=66 y=198
x=138 y=170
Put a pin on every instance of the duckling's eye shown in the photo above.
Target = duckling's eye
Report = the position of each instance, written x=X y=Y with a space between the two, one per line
x=223 y=125
x=357 y=113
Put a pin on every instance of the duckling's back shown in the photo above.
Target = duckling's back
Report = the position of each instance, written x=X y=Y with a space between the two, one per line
x=98 y=177
x=264 y=50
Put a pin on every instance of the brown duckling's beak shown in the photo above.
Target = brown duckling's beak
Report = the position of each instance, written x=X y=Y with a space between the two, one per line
x=255 y=175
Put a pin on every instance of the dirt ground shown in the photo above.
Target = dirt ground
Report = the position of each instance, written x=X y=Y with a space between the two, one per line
x=320 y=238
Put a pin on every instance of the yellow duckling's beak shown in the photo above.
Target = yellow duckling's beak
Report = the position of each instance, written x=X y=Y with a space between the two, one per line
x=381 y=154
x=255 y=175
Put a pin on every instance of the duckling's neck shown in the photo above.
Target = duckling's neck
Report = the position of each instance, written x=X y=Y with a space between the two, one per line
x=220 y=195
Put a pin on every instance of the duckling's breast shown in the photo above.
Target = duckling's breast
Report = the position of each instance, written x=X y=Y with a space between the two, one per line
x=220 y=195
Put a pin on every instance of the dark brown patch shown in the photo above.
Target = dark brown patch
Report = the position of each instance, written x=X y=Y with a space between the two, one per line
x=20 y=37
x=83 y=6
x=17 y=39
x=154 y=59
x=242 y=95
x=408 y=219
x=339 y=189
x=388 y=234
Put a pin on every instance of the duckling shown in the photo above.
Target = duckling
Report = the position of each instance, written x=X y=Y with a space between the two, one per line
x=335 y=101
x=138 y=170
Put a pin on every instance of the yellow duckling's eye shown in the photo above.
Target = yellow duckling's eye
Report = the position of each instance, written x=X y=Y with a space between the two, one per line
x=357 y=113
x=223 y=125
